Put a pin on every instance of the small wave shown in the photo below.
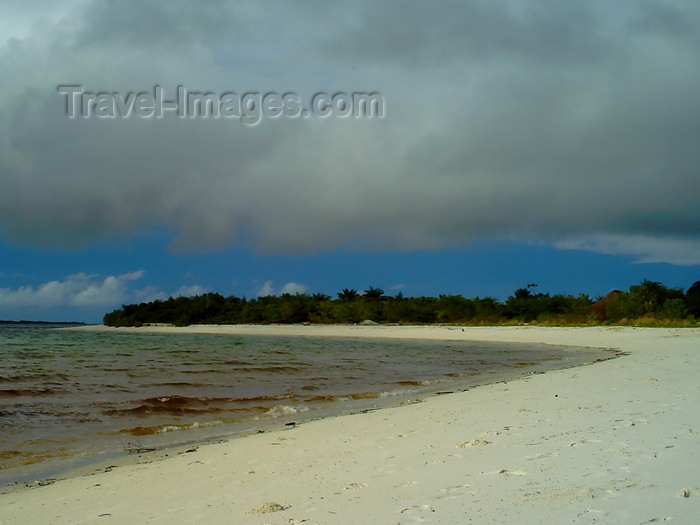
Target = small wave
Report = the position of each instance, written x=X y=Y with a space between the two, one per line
x=273 y=397
x=117 y=388
x=170 y=405
x=182 y=405
x=276 y=369
x=163 y=429
x=140 y=431
x=212 y=371
x=425 y=382
x=316 y=382
x=170 y=428
x=323 y=398
x=35 y=378
x=364 y=395
x=393 y=393
x=18 y=458
x=284 y=410
x=175 y=428
x=27 y=392
x=7 y=454
x=178 y=384
x=236 y=362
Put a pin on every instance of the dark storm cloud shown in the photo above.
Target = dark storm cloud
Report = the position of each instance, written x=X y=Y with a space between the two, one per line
x=422 y=34
x=568 y=123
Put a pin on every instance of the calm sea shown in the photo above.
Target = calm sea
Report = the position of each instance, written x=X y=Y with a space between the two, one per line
x=73 y=394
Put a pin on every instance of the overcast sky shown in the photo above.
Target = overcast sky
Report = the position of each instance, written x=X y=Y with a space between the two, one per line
x=569 y=126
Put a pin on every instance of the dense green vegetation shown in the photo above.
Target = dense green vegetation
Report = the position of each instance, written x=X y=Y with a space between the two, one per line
x=648 y=303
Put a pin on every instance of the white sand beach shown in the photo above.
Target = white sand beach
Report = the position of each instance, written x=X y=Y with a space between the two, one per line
x=617 y=441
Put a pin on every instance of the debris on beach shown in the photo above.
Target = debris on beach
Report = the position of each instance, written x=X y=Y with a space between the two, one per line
x=473 y=443
x=136 y=448
x=269 y=507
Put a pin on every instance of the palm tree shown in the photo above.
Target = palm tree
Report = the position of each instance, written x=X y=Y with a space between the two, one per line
x=348 y=294
x=374 y=294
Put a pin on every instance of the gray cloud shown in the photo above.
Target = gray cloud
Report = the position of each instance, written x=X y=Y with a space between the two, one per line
x=572 y=124
x=419 y=34
x=152 y=24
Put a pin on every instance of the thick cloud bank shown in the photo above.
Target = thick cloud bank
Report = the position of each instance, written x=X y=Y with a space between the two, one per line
x=574 y=124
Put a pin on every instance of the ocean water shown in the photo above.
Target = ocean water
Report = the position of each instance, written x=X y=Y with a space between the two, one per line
x=78 y=394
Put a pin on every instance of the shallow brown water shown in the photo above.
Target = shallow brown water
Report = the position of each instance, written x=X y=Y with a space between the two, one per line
x=75 y=394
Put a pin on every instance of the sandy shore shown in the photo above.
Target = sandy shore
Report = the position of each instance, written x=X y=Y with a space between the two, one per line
x=613 y=442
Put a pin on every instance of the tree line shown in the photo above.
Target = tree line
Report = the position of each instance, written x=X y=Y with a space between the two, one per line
x=646 y=303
